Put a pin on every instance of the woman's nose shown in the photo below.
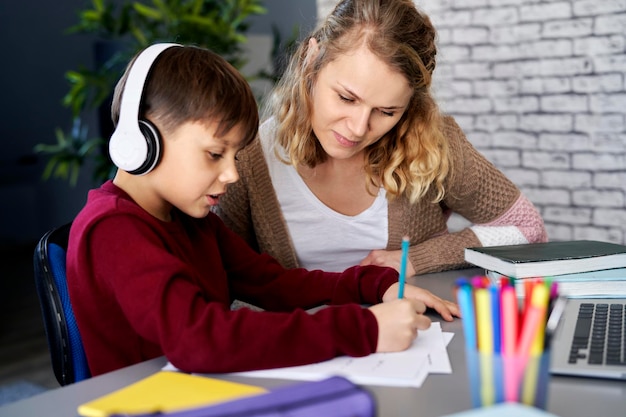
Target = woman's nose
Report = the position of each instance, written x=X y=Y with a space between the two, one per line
x=360 y=121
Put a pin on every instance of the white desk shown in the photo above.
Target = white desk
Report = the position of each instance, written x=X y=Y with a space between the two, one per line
x=440 y=394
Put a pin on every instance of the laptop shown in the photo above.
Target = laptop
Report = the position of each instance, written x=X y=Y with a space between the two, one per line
x=588 y=337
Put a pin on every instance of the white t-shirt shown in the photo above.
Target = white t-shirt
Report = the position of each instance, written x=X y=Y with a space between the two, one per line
x=323 y=238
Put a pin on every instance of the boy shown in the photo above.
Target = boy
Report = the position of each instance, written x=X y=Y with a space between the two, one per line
x=151 y=271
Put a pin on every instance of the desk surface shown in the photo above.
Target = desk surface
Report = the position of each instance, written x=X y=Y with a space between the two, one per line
x=439 y=395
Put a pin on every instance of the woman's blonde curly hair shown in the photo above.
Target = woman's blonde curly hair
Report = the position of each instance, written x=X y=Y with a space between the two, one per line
x=413 y=155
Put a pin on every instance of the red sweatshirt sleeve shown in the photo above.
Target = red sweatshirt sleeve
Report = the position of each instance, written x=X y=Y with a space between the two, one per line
x=147 y=287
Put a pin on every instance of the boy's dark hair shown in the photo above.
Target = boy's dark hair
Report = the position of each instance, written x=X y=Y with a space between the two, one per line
x=192 y=84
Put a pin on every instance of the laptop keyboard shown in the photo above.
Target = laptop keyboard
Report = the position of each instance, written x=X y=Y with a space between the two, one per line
x=600 y=334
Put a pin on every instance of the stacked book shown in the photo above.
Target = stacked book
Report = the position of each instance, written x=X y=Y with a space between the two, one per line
x=580 y=267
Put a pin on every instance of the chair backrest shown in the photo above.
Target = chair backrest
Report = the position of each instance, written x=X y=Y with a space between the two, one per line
x=66 y=347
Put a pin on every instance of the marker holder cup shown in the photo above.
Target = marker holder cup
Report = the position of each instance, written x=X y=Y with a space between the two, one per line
x=494 y=378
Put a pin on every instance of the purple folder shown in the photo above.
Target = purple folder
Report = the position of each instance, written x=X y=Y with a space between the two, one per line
x=332 y=397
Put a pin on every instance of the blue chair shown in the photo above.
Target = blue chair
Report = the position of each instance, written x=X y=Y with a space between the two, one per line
x=66 y=347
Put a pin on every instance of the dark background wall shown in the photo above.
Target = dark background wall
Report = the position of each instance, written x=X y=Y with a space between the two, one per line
x=35 y=56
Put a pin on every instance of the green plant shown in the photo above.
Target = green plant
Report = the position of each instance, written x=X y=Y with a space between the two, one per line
x=216 y=24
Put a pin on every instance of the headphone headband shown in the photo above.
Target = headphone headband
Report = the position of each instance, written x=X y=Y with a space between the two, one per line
x=129 y=148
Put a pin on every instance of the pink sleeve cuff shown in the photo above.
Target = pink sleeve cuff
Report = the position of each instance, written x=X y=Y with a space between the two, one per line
x=525 y=217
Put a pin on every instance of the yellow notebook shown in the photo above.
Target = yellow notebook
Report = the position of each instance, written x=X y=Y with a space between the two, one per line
x=167 y=391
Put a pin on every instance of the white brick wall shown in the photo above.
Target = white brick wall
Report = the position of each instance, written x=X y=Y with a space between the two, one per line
x=539 y=88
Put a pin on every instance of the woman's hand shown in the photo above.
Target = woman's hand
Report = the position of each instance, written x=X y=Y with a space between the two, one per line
x=390 y=258
x=447 y=309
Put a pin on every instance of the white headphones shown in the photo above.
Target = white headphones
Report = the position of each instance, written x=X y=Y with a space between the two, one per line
x=135 y=145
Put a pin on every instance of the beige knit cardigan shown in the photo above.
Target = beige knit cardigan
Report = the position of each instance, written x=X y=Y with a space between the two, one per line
x=475 y=189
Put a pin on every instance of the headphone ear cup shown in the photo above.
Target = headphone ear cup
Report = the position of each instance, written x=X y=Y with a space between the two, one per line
x=135 y=145
x=152 y=137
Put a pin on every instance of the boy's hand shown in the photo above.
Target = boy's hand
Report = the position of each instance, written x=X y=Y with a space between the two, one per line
x=398 y=323
x=446 y=308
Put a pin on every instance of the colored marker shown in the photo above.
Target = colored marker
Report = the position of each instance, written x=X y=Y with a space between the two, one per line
x=543 y=299
x=403 y=261
x=531 y=377
x=528 y=290
x=473 y=359
x=461 y=281
x=480 y=281
x=465 y=298
x=484 y=321
x=534 y=320
x=510 y=316
x=498 y=377
x=487 y=380
x=554 y=294
x=496 y=315
x=513 y=375
x=541 y=392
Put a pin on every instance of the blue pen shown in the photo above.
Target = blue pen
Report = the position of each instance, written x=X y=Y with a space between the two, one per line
x=496 y=314
x=403 y=261
x=465 y=298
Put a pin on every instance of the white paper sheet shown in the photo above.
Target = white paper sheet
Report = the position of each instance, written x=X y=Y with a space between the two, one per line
x=438 y=360
x=408 y=368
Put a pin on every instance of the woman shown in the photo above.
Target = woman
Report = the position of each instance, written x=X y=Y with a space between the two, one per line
x=355 y=155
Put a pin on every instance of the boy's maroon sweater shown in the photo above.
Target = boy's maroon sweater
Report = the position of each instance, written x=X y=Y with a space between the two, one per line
x=141 y=288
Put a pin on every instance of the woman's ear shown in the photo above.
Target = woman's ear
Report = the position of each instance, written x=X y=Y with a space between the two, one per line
x=313 y=51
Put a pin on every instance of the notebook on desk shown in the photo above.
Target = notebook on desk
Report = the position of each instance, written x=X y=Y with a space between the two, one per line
x=589 y=337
